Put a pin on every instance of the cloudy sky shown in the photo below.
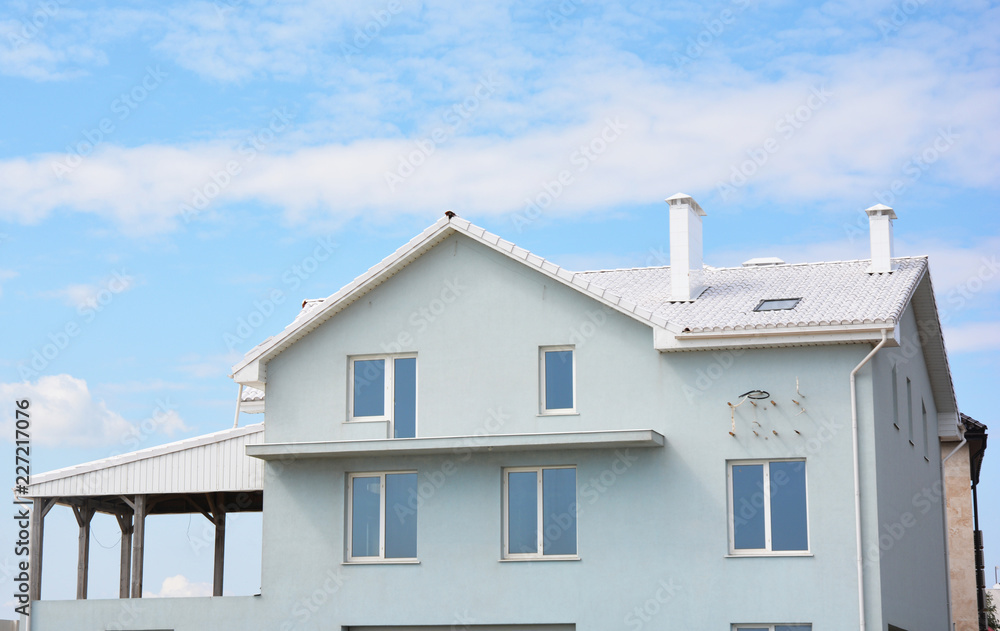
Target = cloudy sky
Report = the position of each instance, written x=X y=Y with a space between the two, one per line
x=171 y=173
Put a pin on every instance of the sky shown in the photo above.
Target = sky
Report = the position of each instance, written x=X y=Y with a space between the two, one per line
x=176 y=178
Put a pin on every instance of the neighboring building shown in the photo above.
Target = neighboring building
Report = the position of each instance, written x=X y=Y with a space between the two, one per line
x=468 y=436
x=962 y=464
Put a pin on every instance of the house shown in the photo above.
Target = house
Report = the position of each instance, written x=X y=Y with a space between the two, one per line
x=469 y=436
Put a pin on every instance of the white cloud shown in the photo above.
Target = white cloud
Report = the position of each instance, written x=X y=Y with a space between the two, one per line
x=205 y=366
x=64 y=413
x=80 y=295
x=179 y=587
x=973 y=337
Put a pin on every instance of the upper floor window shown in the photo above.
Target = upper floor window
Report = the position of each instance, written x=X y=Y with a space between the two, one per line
x=382 y=516
x=767 y=507
x=558 y=380
x=384 y=388
x=539 y=512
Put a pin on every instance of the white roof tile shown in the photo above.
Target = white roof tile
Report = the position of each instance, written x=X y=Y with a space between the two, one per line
x=832 y=294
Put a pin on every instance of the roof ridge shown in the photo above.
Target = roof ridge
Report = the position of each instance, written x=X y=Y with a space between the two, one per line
x=714 y=268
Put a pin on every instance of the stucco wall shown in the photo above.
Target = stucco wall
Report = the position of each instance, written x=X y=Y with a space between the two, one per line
x=910 y=528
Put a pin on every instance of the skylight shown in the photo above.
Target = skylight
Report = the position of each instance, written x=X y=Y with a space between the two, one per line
x=778 y=304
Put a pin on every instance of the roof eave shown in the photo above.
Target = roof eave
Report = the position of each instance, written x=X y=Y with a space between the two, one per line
x=251 y=370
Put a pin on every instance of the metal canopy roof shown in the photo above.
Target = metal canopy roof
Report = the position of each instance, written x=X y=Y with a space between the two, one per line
x=210 y=463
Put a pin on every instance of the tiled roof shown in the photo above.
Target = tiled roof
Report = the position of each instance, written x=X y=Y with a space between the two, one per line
x=839 y=293
x=252 y=394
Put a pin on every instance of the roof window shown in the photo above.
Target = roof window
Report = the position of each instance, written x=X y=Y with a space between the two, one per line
x=778 y=304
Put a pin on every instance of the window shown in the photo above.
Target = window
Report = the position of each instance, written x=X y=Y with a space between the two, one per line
x=382 y=516
x=778 y=304
x=767 y=505
x=558 y=380
x=384 y=388
x=895 y=399
x=772 y=627
x=539 y=512
x=909 y=409
x=927 y=436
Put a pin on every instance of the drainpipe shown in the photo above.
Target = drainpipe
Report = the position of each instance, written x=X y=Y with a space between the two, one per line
x=857 y=475
x=239 y=402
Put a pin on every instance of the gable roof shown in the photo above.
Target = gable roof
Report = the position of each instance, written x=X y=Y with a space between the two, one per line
x=251 y=369
x=841 y=303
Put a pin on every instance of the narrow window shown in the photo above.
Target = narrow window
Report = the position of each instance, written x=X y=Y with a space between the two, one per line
x=909 y=409
x=895 y=399
x=382 y=516
x=540 y=512
x=385 y=389
x=768 y=508
x=927 y=436
x=558 y=380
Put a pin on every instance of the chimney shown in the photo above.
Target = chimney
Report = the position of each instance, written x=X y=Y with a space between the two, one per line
x=881 y=217
x=686 y=272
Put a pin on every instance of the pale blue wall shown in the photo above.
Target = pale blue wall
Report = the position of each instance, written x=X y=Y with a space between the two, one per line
x=663 y=521
x=911 y=531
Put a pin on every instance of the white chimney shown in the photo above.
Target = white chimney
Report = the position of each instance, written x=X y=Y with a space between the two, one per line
x=881 y=217
x=686 y=270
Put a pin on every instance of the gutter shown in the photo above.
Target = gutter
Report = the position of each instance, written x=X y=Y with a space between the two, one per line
x=857 y=476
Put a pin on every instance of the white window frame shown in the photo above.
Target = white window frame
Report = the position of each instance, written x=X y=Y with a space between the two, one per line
x=540 y=529
x=388 y=404
x=381 y=558
x=766 y=551
x=543 y=411
x=771 y=627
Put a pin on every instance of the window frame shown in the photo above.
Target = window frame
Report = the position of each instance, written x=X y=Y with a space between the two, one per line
x=731 y=516
x=539 y=555
x=909 y=411
x=542 y=409
x=760 y=305
x=769 y=627
x=381 y=558
x=388 y=400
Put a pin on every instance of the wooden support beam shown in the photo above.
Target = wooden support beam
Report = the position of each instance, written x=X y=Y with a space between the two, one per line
x=84 y=515
x=39 y=508
x=138 y=534
x=125 y=573
x=219 y=514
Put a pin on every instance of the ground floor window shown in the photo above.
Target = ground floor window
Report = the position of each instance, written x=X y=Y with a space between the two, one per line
x=382 y=520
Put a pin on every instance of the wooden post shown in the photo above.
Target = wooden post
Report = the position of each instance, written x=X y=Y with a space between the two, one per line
x=39 y=508
x=219 y=519
x=84 y=514
x=125 y=573
x=138 y=533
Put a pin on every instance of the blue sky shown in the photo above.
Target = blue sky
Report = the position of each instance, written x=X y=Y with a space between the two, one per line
x=169 y=171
